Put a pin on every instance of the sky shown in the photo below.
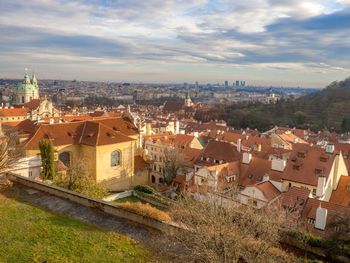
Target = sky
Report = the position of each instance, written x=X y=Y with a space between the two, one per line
x=264 y=42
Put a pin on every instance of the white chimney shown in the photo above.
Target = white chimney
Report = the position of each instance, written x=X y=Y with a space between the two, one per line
x=321 y=218
x=51 y=121
x=177 y=127
x=320 y=185
x=330 y=148
x=195 y=134
x=247 y=157
x=278 y=164
x=266 y=178
x=239 y=145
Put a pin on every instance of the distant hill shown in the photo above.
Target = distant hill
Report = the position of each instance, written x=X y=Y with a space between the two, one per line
x=325 y=109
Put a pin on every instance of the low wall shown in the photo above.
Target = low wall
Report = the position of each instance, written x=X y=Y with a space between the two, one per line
x=112 y=209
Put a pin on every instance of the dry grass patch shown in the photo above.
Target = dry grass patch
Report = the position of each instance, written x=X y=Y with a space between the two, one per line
x=146 y=210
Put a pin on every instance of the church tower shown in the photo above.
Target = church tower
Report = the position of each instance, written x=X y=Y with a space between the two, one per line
x=27 y=90
x=188 y=101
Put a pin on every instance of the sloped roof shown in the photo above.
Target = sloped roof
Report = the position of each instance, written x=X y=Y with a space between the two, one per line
x=268 y=190
x=218 y=151
x=341 y=195
x=82 y=132
x=302 y=169
x=33 y=104
x=12 y=112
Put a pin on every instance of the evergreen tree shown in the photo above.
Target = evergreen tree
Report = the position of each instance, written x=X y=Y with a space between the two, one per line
x=47 y=159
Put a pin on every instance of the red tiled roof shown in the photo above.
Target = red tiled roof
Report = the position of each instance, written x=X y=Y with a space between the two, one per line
x=218 y=151
x=82 y=132
x=268 y=189
x=12 y=112
x=303 y=169
x=254 y=172
x=341 y=195
x=33 y=104
x=295 y=198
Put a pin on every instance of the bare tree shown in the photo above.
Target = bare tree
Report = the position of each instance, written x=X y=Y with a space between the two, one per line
x=173 y=163
x=79 y=180
x=10 y=151
x=229 y=234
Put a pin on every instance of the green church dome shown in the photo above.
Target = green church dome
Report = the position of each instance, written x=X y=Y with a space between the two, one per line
x=26 y=85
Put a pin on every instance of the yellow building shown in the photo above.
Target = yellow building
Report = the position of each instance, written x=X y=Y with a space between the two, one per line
x=108 y=147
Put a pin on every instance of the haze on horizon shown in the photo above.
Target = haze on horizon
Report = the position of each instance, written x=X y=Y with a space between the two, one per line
x=272 y=42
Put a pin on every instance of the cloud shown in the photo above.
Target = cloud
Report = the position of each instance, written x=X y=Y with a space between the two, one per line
x=300 y=36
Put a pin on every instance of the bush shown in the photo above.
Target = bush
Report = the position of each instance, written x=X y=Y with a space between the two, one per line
x=145 y=210
x=144 y=189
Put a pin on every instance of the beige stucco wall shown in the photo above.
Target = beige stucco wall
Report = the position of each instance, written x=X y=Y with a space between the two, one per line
x=119 y=177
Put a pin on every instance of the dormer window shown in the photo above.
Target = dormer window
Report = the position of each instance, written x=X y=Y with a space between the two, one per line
x=319 y=171
x=301 y=154
x=296 y=166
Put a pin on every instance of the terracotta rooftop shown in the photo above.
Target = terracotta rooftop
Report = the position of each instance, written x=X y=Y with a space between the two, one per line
x=33 y=104
x=306 y=163
x=216 y=152
x=295 y=198
x=341 y=195
x=12 y=112
x=84 y=132
x=268 y=189
x=254 y=172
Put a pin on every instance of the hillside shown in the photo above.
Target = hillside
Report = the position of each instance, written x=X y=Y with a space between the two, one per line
x=328 y=108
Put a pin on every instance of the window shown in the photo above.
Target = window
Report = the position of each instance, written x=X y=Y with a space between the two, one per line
x=65 y=158
x=289 y=185
x=314 y=191
x=30 y=173
x=255 y=203
x=115 y=158
x=310 y=220
x=153 y=179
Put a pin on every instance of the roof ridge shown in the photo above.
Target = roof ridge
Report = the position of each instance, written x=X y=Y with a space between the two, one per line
x=82 y=133
x=31 y=138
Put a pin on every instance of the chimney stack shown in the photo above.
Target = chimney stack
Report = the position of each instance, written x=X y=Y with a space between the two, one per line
x=239 y=145
x=321 y=218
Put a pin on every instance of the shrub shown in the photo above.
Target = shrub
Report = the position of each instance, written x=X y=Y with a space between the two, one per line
x=144 y=189
x=145 y=210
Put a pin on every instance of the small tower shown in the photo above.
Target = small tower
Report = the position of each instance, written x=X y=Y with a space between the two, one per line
x=188 y=101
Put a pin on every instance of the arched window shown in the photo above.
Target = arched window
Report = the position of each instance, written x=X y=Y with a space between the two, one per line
x=22 y=99
x=116 y=158
x=153 y=179
x=65 y=158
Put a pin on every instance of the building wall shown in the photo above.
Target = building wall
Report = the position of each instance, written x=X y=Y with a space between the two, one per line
x=285 y=186
x=13 y=118
x=119 y=177
x=250 y=194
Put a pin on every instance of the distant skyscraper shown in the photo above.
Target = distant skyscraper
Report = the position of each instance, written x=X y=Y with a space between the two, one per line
x=242 y=83
x=196 y=85
x=237 y=83
x=226 y=83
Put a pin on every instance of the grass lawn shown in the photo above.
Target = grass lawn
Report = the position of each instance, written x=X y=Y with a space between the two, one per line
x=31 y=234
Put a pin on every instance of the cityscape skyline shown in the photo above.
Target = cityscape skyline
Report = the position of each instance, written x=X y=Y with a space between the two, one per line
x=285 y=43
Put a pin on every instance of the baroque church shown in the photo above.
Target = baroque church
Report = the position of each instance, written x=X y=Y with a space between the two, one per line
x=27 y=90
x=27 y=104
